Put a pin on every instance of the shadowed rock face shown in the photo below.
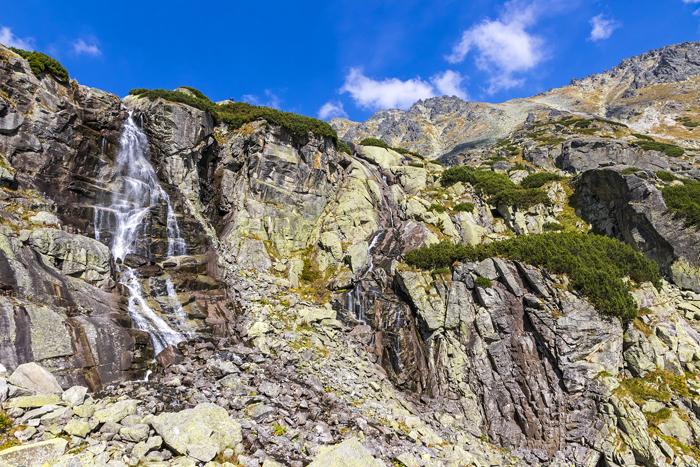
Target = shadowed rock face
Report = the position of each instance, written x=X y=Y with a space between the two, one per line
x=632 y=209
x=519 y=357
x=61 y=306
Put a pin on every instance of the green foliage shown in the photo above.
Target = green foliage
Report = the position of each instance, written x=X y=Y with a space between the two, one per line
x=374 y=142
x=684 y=201
x=382 y=144
x=198 y=94
x=666 y=176
x=658 y=385
x=310 y=272
x=343 y=146
x=670 y=150
x=641 y=136
x=41 y=64
x=496 y=186
x=482 y=282
x=237 y=114
x=629 y=171
x=688 y=122
x=552 y=227
x=278 y=429
x=464 y=207
x=536 y=180
x=595 y=264
x=437 y=207
x=5 y=422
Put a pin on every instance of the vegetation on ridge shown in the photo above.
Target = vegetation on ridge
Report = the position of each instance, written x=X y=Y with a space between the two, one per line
x=237 y=114
x=595 y=264
x=684 y=200
x=382 y=144
x=496 y=186
x=41 y=64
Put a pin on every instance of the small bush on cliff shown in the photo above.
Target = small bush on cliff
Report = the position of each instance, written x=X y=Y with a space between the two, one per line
x=595 y=264
x=665 y=176
x=41 y=64
x=684 y=201
x=382 y=144
x=670 y=150
x=463 y=207
x=537 y=180
x=496 y=186
x=483 y=282
x=374 y=142
x=237 y=114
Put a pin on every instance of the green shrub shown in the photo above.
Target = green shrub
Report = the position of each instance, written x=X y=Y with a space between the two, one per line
x=670 y=150
x=666 y=176
x=552 y=227
x=237 y=114
x=464 y=207
x=644 y=137
x=382 y=144
x=684 y=201
x=198 y=94
x=537 y=180
x=437 y=207
x=629 y=171
x=496 y=186
x=5 y=422
x=482 y=282
x=41 y=64
x=310 y=272
x=595 y=264
x=688 y=122
x=343 y=146
x=374 y=142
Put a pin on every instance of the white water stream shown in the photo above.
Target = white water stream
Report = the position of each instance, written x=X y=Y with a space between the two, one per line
x=139 y=192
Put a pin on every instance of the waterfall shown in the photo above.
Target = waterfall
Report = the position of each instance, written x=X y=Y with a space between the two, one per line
x=138 y=190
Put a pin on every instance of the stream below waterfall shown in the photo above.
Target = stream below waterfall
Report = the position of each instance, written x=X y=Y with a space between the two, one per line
x=136 y=192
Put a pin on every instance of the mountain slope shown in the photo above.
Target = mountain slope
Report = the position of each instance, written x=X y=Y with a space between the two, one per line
x=652 y=93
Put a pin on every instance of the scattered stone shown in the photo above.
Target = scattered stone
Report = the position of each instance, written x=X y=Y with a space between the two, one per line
x=39 y=400
x=74 y=395
x=77 y=427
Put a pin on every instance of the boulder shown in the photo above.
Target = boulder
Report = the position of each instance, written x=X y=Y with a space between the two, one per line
x=74 y=395
x=41 y=453
x=349 y=453
x=114 y=413
x=35 y=378
x=201 y=432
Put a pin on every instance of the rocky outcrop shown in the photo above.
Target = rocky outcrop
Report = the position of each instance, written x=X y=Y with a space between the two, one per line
x=631 y=208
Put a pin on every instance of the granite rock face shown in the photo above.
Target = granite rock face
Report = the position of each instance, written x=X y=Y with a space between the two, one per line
x=632 y=208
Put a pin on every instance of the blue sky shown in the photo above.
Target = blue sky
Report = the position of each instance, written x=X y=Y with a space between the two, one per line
x=344 y=57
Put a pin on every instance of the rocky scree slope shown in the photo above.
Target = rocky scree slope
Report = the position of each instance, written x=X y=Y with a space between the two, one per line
x=314 y=342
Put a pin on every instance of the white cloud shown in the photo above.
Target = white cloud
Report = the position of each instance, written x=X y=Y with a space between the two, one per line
x=332 y=109
x=449 y=83
x=602 y=27
x=270 y=99
x=393 y=93
x=504 y=47
x=8 y=38
x=83 y=47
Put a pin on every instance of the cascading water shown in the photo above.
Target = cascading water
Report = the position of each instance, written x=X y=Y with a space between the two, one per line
x=138 y=191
